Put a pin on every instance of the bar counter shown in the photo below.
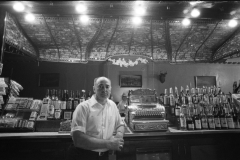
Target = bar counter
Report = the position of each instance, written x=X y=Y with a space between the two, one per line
x=175 y=144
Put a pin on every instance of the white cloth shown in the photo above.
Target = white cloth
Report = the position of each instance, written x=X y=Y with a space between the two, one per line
x=96 y=120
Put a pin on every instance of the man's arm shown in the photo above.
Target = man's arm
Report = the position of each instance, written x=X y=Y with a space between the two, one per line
x=120 y=132
x=84 y=141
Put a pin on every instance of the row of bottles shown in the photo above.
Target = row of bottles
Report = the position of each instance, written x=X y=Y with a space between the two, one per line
x=218 y=117
x=62 y=103
x=201 y=108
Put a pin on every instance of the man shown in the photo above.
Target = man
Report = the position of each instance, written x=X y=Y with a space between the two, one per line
x=122 y=104
x=93 y=124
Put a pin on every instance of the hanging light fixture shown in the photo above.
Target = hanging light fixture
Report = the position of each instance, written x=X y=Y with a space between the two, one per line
x=18 y=6
x=232 y=23
x=81 y=8
x=186 y=22
x=30 y=17
x=195 y=13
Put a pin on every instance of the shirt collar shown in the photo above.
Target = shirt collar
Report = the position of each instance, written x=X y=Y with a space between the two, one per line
x=93 y=101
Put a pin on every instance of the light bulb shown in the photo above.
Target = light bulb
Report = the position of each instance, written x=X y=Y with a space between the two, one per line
x=18 y=6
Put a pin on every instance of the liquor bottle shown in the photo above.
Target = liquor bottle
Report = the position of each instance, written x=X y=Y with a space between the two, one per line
x=190 y=122
x=223 y=119
x=182 y=96
x=236 y=118
x=176 y=95
x=177 y=110
x=183 y=123
x=217 y=117
x=165 y=99
x=83 y=97
x=194 y=96
x=229 y=117
x=76 y=101
x=187 y=95
x=47 y=98
x=53 y=94
x=172 y=102
x=64 y=100
x=204 y=120
x=69 y=100
x=197 y=121
x=89 y=95
x=210 y=118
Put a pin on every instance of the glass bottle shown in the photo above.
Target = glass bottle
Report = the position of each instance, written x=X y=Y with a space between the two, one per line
x=64 y=100
x=76 y=101
x=217 y=117
x=190 y=122
x=229 y=117
x=172 y=102
x=204 y=120
x=165 y=98
x=197 y=121
x=183 y=124
x=223 y=119
x=210 y=118
x=69 y=100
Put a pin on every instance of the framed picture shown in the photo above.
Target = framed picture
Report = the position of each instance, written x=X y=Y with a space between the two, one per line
x=206 y=81
x=130 y=80
x=67 y=115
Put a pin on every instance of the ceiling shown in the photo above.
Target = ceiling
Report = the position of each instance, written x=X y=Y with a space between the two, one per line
x=57 y=35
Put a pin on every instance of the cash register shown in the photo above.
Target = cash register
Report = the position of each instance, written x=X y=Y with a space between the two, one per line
x=144 y=113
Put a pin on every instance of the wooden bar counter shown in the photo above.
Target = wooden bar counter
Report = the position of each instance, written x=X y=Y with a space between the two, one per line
x=173 y=144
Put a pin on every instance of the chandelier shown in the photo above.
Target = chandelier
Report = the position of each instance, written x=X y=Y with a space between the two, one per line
x=123 y=63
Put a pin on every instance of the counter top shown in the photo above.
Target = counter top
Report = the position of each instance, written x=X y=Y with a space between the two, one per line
x=171 y=132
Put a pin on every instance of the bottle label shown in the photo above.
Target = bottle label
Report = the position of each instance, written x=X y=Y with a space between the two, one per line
x=237 y=125
x=204 y=123
x=217 y=122
x=172 y=101
x=63 y=105
x=57 y=114
x=51 y=110
x=191 y=126
x=183 y=122
x=75 y=104
x=211 y=123
x=230 y=123
x=198 y=124
x=223 y=122
x=177 y=111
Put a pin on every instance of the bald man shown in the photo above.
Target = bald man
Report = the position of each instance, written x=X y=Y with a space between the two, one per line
x=93 y=124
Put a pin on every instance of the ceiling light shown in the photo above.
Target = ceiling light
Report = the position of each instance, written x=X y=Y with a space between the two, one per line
x=186 y=22
x=195 y=2
x=139 y=10
x=30 y=17
x=195 y=12
x=139 y=2
x=84 y=18
x=18 y=6
x=81 y=8
x=232 y=23
x=137 y=20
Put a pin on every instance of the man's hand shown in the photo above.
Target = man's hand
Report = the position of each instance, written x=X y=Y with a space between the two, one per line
x=115 y=143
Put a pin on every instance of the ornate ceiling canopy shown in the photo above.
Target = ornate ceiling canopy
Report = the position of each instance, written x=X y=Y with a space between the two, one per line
x=58 y=35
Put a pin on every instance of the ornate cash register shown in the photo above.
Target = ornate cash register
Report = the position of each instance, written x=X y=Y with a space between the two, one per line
x=144 y=113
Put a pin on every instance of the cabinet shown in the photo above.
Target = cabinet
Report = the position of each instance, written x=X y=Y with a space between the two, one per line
x=207 y=147
x=169 y=146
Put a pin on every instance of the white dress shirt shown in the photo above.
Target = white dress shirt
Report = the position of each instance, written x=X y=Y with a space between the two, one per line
x=96 y=120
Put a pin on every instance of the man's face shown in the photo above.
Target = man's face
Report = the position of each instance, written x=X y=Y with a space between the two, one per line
x=102 y=88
